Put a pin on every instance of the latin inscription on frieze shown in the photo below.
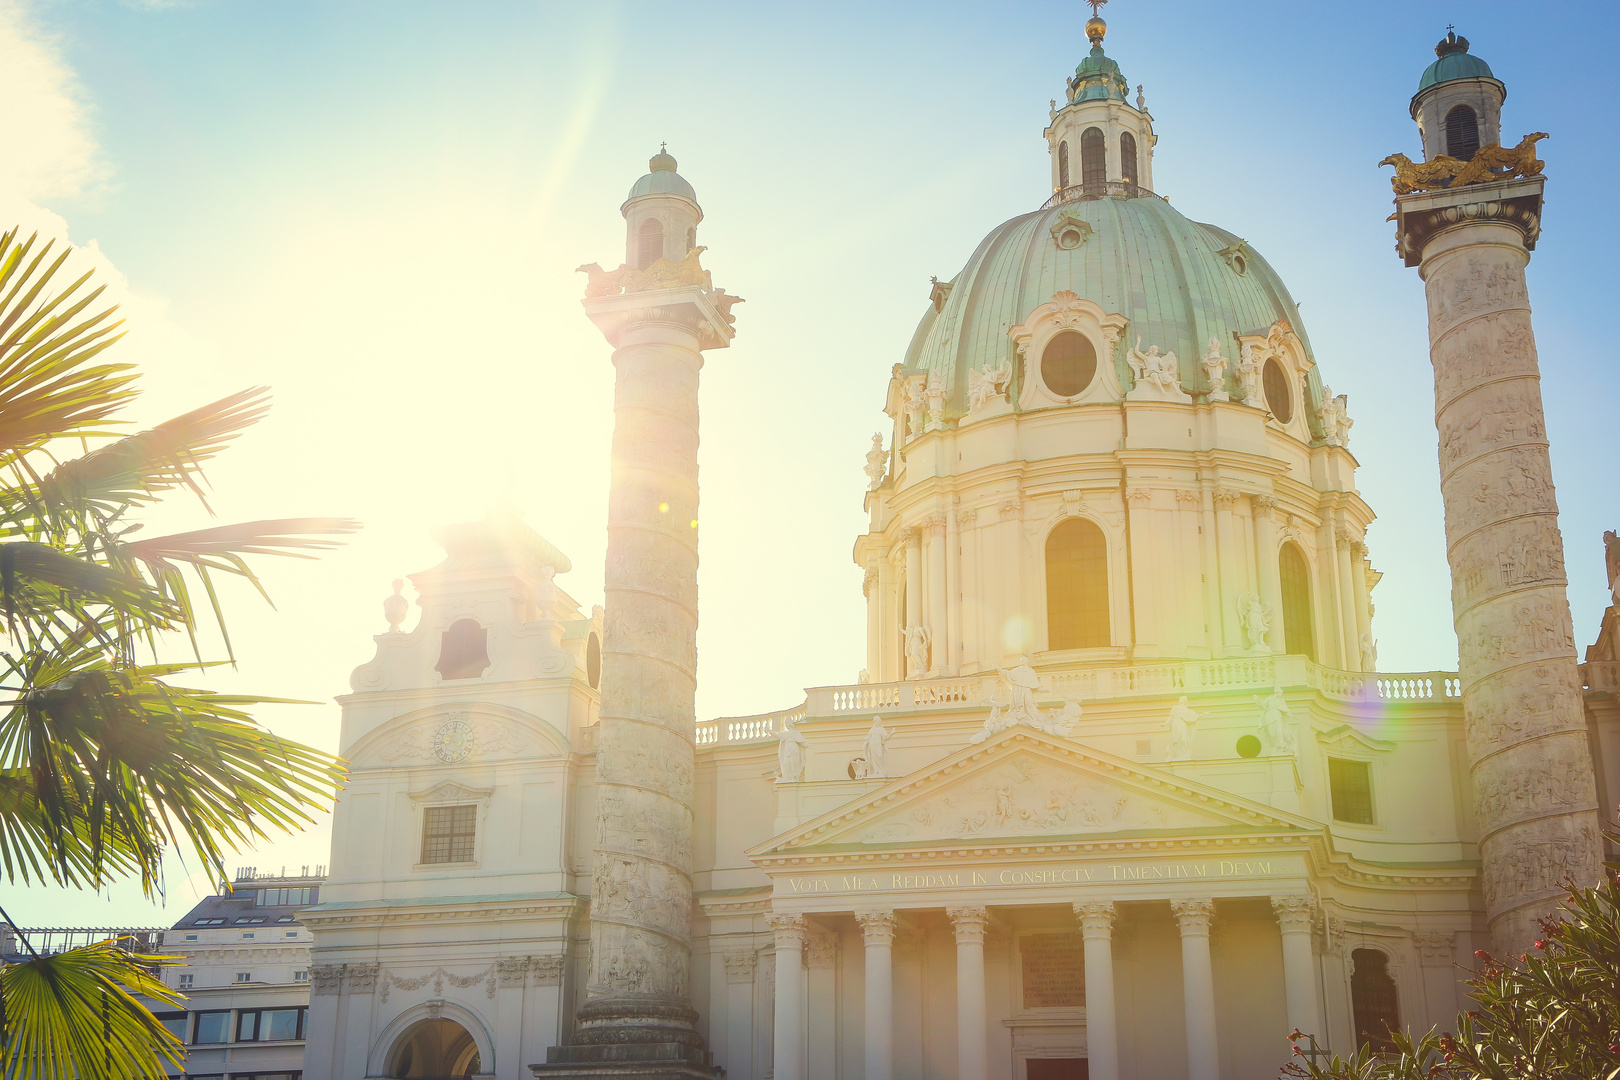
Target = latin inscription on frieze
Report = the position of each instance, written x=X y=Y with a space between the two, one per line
x=1054 y=967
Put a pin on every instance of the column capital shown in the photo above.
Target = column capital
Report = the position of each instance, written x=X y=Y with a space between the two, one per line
x=1096 y=917
x=1295 y=914
x=787 y=930
x=1194 y=915
x=1261 y=505
x=969 y=923
x=877 y=927
x=1226 y=497
x=933 y=524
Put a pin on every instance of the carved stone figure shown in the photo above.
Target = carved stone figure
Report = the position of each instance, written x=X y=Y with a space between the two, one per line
x=1020 y=685
x=1611 y=561
x=917 y=641
x=876 y=749
x=1369 y=653
x=1489 y=163
x=1183 y=726
x=1214 y=365
x=1277 y=726
x=1329 y=415
x=1061 y=721
x=791 y=751
x=934 y=400
x=1249 y=365
x=1254 y=616
x=1157 y=376
x=877 y=462
x=985 y=383
x=914 y=403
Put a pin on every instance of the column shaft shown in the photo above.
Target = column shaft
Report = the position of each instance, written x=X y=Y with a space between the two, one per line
x=1363 y=599
x=874 y=621
x=1233 y=580
x=972 y=1052
x=1198 y=987
x=878 y=930
x=1351 y=631
x=1269 y=571
x=1102 y=1025
x=788 y=1059
x=953 y=595
x=888 y=632
x=1295 y=914
x=915 y=571
x=938 y=635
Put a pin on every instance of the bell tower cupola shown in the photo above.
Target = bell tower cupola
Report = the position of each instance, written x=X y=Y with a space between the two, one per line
x=1101 y=144
x=1458 y=104
x=661 y=215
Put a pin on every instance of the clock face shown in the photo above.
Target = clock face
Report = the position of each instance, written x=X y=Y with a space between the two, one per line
x=453 y=741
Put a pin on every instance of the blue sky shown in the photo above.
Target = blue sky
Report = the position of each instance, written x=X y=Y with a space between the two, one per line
x=377 y=210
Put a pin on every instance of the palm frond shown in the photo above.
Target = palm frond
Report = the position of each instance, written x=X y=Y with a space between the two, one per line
x=74 y=1016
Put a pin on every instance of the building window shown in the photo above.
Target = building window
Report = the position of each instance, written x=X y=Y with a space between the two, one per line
x=284 y=897
x=463 y=651
x=1296 y=601
x=1067 y=363
x=1462 y=133
x=270 y=1025
x=212 y=1027
x=244 y=976
x=1094 y=162
x=1063 y=165
x=649 y=243
x=301 y=976
x=191 y=937
x=292 y=933
x=175 y=1022
x=1127 y=162
x=593 y=661
x=1076 y=586
x=1350 y=783
x=1372 y=998
x=185 y=981
x=447 y=833
x=1279 y=396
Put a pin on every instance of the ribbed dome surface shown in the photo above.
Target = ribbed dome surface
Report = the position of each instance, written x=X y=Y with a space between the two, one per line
x=1143 y=260
x=1454 y=65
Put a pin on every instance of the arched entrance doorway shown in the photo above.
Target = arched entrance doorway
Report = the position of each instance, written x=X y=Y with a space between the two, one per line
x=435 y=1049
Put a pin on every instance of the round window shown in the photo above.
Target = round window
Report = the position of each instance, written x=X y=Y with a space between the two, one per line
x=1068 y=364
x=1278 y=396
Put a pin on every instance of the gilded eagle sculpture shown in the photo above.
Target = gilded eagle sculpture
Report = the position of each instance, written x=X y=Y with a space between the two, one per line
x=1489 y=163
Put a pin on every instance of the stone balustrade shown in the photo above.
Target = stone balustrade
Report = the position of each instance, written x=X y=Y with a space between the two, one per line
x=1245 y=675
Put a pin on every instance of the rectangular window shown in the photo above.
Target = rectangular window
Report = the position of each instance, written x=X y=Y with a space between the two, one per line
x=284 y=897
x=447 y=833
x=244 y=976
x=1351 y=786
x=185 y=981
x=280 y=1024
x=175 y=1022
x=212 y=1027
x=191 y=937
x=247 y=1026
x=301 y=976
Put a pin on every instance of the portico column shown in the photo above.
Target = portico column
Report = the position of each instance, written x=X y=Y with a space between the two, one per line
x=1102 y=1036
x=1269 y=571
x=972 y=1058
x=1295 y=915
x=788 y=932
x=1198 y=987
x=877 y=928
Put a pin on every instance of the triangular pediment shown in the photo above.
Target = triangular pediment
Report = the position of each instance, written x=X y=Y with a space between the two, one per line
x=1025 y=784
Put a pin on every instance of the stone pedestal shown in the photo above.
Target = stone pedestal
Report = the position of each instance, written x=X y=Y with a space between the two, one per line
x=1531 y=766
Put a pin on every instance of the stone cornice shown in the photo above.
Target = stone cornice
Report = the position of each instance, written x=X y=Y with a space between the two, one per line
x=1422 y=216
x=343 y=915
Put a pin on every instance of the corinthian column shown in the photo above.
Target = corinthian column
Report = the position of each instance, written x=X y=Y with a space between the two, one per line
x=972 y=1055
x=788 y=933
x=638 y=1006
x=1526 y=731
x=1102 y=1034
x=1198 y=987
x=1295 y=916
x=877 y=929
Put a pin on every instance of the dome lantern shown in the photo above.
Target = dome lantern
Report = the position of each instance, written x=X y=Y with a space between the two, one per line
x=661 y=214
x=1458 y=104
x=1101 y=145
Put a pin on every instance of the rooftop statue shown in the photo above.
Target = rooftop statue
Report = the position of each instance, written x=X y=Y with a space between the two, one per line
x=1489 y=164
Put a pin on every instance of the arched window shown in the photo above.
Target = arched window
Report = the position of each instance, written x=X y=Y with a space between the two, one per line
x=1076 y=586
x=1462 y=133
x=593 y=661
x=1372 y=998
x=1296 y=601
x=1093 y=162
x=1279 y=396
x=434 y=1048
x=1063 y=165
x=1067 y=363
x=463 y=651
x=649 y=243
x=1127 y=162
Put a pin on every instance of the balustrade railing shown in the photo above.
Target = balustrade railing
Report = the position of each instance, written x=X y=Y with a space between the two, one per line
x=1251 y=674
x=1601 y=674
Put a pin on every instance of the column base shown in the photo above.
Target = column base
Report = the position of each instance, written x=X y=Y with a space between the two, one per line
x=632 y=1040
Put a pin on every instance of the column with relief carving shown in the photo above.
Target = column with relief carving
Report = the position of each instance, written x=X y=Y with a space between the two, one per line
x=1296 y=915
x=1524 y=724
x=660 y=315
x=1102 y=1031
x=1198 y=987
x=877 y=930
x=788 y=934
x=1269 y=570
x=972 y=1053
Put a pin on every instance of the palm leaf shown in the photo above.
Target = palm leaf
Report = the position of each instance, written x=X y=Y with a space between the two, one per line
x=74 y=1016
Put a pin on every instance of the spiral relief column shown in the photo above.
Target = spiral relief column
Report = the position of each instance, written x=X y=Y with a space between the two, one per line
x=660 y=312
x=1534 y=790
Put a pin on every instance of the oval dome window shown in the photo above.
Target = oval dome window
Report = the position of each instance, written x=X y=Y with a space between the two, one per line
x=1278 y=398
x=1068 y=363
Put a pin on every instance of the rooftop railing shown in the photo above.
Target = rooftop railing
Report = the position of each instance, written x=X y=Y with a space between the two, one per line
x=1111 y=189
x=50 y=940
x=1249 y=675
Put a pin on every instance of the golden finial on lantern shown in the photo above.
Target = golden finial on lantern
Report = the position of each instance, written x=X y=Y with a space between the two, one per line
x=1095 y=27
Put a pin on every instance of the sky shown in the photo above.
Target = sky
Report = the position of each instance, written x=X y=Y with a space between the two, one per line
x=376 y=210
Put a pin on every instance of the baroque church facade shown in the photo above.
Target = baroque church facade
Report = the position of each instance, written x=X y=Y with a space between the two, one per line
x=1120 y=793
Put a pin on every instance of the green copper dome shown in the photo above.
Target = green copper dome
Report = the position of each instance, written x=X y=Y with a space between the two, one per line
x=662 y=180
x=1454 y=63
x=1179 y=282
x=1098 y=78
